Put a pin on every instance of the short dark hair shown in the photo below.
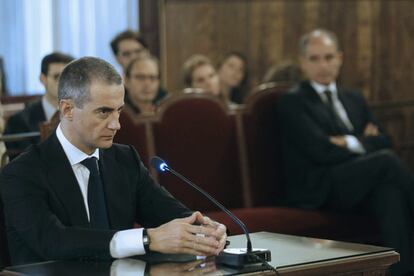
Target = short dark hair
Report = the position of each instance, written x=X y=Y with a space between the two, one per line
x=304 y=40
x=139 y=59
x=128 y=34
x=76 y=78
x=55 y=57
x=191 y=64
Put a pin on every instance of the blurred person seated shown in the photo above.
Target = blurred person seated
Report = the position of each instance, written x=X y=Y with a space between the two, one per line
x=142 y=82
x=127 y=46
x=286 y=72
x=233 y=77
x=336 y=157
x=200 y=74
x=44 y=109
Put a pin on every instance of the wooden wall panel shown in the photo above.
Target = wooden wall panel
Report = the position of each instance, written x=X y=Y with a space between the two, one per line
x=377 y=38
x=149 y=24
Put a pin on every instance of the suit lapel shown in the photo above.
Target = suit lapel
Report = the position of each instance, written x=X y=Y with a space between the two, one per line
x=38 y=114
x=117 y=196
x=316 y=106
x=63 y=181
x=41 y=112
x=349 y=108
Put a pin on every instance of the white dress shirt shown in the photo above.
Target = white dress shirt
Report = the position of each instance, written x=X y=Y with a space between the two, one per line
x=48 y=108
x=124 y=243
x=352 y=143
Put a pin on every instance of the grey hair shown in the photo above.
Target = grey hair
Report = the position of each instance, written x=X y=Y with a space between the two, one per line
x=304 y=40
x=77 y=77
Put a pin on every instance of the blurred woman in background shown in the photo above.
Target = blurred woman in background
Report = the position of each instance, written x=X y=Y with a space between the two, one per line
x=233 y=77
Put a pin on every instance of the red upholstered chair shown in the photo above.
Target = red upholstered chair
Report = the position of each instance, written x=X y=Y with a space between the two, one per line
x=262 y=143
x=135 y=131
x=196 y=135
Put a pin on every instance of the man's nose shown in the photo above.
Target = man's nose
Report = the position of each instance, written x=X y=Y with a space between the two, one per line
x=134 y=55
x=114 y=123
x=323 y=63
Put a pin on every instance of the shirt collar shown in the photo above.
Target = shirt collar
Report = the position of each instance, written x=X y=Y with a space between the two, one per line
x=74 y=154
x=49 y=109
x=320 y=88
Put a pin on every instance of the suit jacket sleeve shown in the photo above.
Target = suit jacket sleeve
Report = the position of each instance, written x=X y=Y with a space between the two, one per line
x=28 y=211
x=15 y=124
x=306 y=134
x=370 y=143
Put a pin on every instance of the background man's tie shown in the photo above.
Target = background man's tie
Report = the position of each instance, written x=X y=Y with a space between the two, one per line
x=339 y=124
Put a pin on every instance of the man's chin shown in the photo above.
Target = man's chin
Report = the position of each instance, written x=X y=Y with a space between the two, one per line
x=106 y=144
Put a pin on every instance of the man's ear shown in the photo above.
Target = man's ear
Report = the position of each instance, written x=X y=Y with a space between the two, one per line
x=118 y=59
x=66 y=107
x=125 y=80
x=43 y=79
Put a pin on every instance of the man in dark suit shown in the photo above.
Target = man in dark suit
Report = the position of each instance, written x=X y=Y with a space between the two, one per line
x=77 y=195
x=42 y=110
x=336 y=156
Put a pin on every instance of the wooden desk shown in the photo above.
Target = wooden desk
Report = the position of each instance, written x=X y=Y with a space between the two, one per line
x=292 y=255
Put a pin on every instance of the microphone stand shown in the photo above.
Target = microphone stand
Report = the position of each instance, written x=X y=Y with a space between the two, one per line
x=235 y=256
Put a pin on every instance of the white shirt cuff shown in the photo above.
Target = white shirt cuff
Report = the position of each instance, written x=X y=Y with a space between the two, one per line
x=127 y=243
x=354 y=145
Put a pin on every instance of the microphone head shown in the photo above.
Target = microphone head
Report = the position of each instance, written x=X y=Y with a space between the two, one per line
x=158 y=164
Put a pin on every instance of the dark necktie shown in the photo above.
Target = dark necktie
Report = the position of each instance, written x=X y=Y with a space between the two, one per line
x=340 y=126
x=96 y=198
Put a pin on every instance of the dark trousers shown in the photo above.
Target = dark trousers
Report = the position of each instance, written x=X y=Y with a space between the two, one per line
x=380 y=185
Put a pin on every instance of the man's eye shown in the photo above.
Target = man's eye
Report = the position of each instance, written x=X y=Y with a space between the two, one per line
x=103 y=112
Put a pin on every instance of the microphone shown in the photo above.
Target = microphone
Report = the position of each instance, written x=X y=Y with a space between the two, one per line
x=234 y=256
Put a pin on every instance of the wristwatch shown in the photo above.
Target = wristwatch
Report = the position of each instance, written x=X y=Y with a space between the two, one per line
x=146 y=240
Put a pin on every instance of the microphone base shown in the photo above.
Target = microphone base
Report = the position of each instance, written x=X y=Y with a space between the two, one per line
x=239 y=257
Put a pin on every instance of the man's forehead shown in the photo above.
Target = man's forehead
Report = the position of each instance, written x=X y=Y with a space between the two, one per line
x=57 y=66
x=145 y=65
x=129 y=43
x=315 y=44
x=105 y=85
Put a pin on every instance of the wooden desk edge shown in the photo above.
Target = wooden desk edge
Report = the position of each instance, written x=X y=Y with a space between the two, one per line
x=381 y=260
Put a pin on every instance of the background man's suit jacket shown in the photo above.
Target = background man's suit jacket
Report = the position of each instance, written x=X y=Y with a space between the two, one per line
x=306 y=125
x=44 y=209
x=26 y=120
